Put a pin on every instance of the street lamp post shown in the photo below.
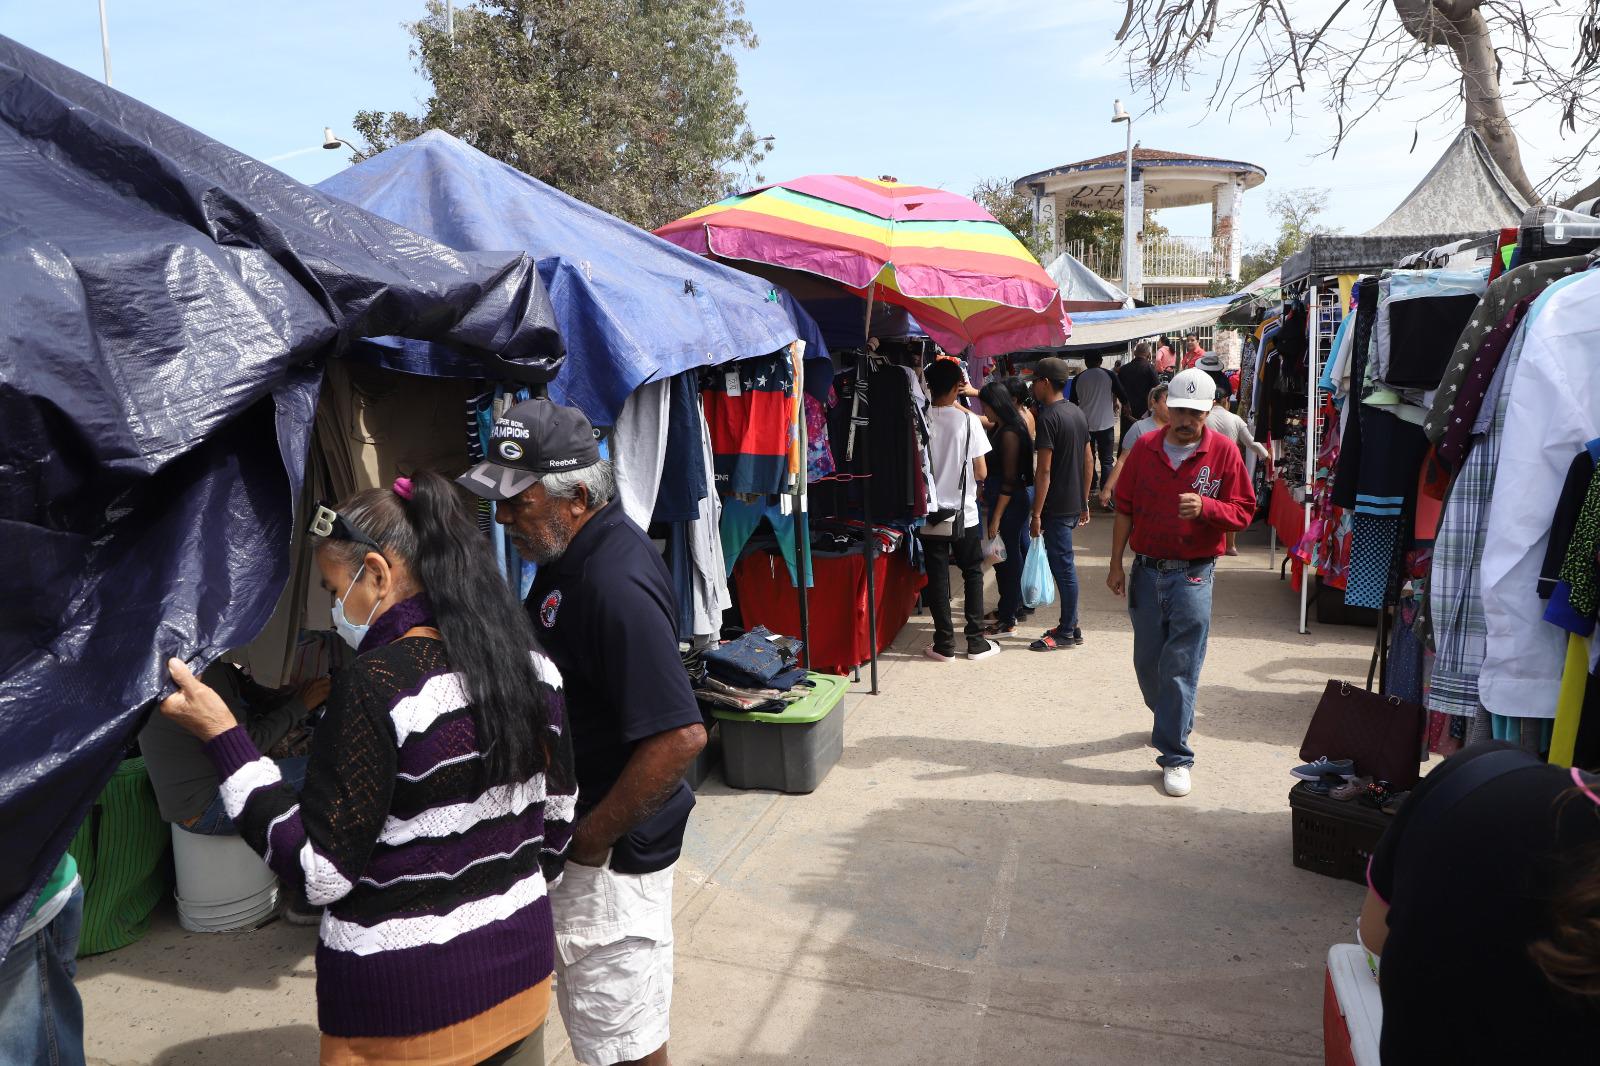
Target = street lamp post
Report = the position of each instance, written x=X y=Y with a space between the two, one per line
x=1130 y=226
x=332 y=143
x=105 y=41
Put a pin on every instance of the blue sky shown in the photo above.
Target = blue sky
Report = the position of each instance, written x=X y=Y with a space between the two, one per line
x=942 y=92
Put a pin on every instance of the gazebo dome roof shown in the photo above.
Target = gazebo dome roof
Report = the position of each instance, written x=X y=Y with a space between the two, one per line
x=1171 y=179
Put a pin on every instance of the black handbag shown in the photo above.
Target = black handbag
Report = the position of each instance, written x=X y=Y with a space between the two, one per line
x=1382 y=735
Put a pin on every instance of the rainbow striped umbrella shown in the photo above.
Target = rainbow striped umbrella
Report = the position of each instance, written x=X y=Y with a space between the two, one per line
x=964 y=276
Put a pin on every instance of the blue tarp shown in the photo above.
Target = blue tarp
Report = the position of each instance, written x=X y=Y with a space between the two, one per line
x=166 y=305
x=632 y=307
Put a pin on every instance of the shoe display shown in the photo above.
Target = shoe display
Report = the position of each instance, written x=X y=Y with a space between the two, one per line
x=1324 y=785
x=1312 y=771
x=1175 y=779
x=1349 y=789
x=987 y=649
x=938 y=656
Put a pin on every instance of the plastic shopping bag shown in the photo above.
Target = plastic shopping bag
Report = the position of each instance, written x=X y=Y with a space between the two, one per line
x=1038 y=587
x=994 y=551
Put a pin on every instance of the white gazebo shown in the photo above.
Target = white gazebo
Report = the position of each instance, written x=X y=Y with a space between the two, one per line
x=1163 y=269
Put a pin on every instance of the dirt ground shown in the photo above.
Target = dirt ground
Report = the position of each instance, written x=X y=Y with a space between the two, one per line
x=990 y=875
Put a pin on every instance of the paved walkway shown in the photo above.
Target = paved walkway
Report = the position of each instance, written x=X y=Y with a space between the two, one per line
x=991 y=874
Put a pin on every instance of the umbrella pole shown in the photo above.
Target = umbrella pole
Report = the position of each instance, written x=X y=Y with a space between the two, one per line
x=802 y=522
x=871 y=553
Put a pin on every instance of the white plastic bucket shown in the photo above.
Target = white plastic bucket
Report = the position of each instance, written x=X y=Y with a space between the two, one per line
x=222 y=883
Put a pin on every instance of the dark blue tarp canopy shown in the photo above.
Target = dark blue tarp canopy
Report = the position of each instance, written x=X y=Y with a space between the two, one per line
x=165 y=307
x=632 y=307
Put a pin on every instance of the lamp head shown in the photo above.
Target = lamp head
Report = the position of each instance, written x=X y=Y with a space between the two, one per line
x=1119 y=114
x=329 y=141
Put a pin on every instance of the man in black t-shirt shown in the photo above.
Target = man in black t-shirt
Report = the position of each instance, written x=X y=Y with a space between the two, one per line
x=1138 y=376
x=1065 y=469
x=604 y=610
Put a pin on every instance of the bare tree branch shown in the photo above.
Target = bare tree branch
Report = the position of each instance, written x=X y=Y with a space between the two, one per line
x=1357 y=58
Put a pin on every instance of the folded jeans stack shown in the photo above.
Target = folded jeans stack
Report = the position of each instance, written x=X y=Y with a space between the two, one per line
x=754 y=673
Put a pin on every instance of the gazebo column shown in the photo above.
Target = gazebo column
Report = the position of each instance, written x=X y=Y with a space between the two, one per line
x=1227 y=225
x=1133 y=269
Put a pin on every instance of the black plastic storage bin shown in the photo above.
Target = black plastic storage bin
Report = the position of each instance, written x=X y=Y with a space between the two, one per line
x=1333 y=837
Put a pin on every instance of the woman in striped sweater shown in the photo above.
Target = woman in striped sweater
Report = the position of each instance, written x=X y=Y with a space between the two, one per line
x=438 y=800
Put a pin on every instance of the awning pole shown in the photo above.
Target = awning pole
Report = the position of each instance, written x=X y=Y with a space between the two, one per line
x=1313 y=355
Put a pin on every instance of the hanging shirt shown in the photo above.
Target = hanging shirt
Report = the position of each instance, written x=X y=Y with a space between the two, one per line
x=1554 y=408
x=747 y=408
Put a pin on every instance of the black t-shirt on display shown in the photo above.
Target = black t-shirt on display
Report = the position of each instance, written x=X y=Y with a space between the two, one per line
x=1062 y=428
x=1469 y=886
x=606 y=614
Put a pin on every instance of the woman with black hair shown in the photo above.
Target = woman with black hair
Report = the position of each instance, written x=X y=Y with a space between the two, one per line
x=438 y=799
x=1483 y=908
x=1006 y=497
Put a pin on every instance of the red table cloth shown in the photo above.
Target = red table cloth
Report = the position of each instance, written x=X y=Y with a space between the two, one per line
x=838 y=603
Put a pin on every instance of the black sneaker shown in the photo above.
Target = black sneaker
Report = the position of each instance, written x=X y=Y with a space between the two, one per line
x=982 y=649
x=1077 y=637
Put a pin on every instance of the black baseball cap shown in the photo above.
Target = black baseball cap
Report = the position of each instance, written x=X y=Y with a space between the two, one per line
x=1054 y=369
x=534 y=438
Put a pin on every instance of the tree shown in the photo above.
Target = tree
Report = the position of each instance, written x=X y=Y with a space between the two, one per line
x=1014 y=211
x=631 y=105
x=1296 y=211
x=1358 y=57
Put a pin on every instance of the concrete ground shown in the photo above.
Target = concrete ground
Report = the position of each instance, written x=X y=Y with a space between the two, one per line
x=990 y=875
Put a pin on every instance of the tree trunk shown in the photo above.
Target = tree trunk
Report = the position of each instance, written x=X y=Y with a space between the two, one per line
x=1459 y=25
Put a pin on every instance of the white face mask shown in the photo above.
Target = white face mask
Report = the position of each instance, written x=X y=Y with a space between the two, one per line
x=352 y=633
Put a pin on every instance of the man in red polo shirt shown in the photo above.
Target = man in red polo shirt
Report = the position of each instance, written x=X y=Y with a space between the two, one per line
x=1181 y=492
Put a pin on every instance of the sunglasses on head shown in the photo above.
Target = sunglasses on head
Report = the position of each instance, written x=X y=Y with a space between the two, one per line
x=326 y=522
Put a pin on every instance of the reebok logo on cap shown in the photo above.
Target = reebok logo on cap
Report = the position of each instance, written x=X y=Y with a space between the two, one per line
x=534 y=437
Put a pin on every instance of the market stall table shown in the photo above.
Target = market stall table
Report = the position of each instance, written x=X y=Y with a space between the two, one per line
x=839 y=627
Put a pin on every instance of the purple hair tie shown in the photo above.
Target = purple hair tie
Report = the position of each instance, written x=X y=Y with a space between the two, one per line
x=402 y=487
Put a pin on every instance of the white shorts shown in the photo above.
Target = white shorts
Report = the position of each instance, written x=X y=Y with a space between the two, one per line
x=613 y=961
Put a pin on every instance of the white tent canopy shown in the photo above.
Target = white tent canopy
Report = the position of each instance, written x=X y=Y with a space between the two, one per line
x=1079 y=284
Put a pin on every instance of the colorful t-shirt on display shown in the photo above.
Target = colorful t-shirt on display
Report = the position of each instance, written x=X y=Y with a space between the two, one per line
x=747 y=408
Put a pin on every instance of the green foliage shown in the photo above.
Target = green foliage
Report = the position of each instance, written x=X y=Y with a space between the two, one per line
x=1102 y=230
x=1014 y=211
x=631 y=105
x=1296 y=211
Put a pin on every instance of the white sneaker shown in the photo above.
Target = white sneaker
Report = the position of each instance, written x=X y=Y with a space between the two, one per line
x=991 y=648
x=1175 y=779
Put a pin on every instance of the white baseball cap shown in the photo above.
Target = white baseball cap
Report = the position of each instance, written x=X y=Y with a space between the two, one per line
x=1193 y=389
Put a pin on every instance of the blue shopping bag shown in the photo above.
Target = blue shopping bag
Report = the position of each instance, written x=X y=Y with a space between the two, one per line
x=1038 y=587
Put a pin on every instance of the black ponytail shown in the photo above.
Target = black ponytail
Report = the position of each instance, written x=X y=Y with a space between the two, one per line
x=487 y=635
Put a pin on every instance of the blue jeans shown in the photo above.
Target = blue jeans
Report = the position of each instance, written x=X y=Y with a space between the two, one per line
x=41 y=1016
x=214 y=820
x=1008 y=575
x=1063 y=566
x=1171 y=612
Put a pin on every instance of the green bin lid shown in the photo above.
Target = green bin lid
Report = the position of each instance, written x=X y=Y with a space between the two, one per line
x=826 y=692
